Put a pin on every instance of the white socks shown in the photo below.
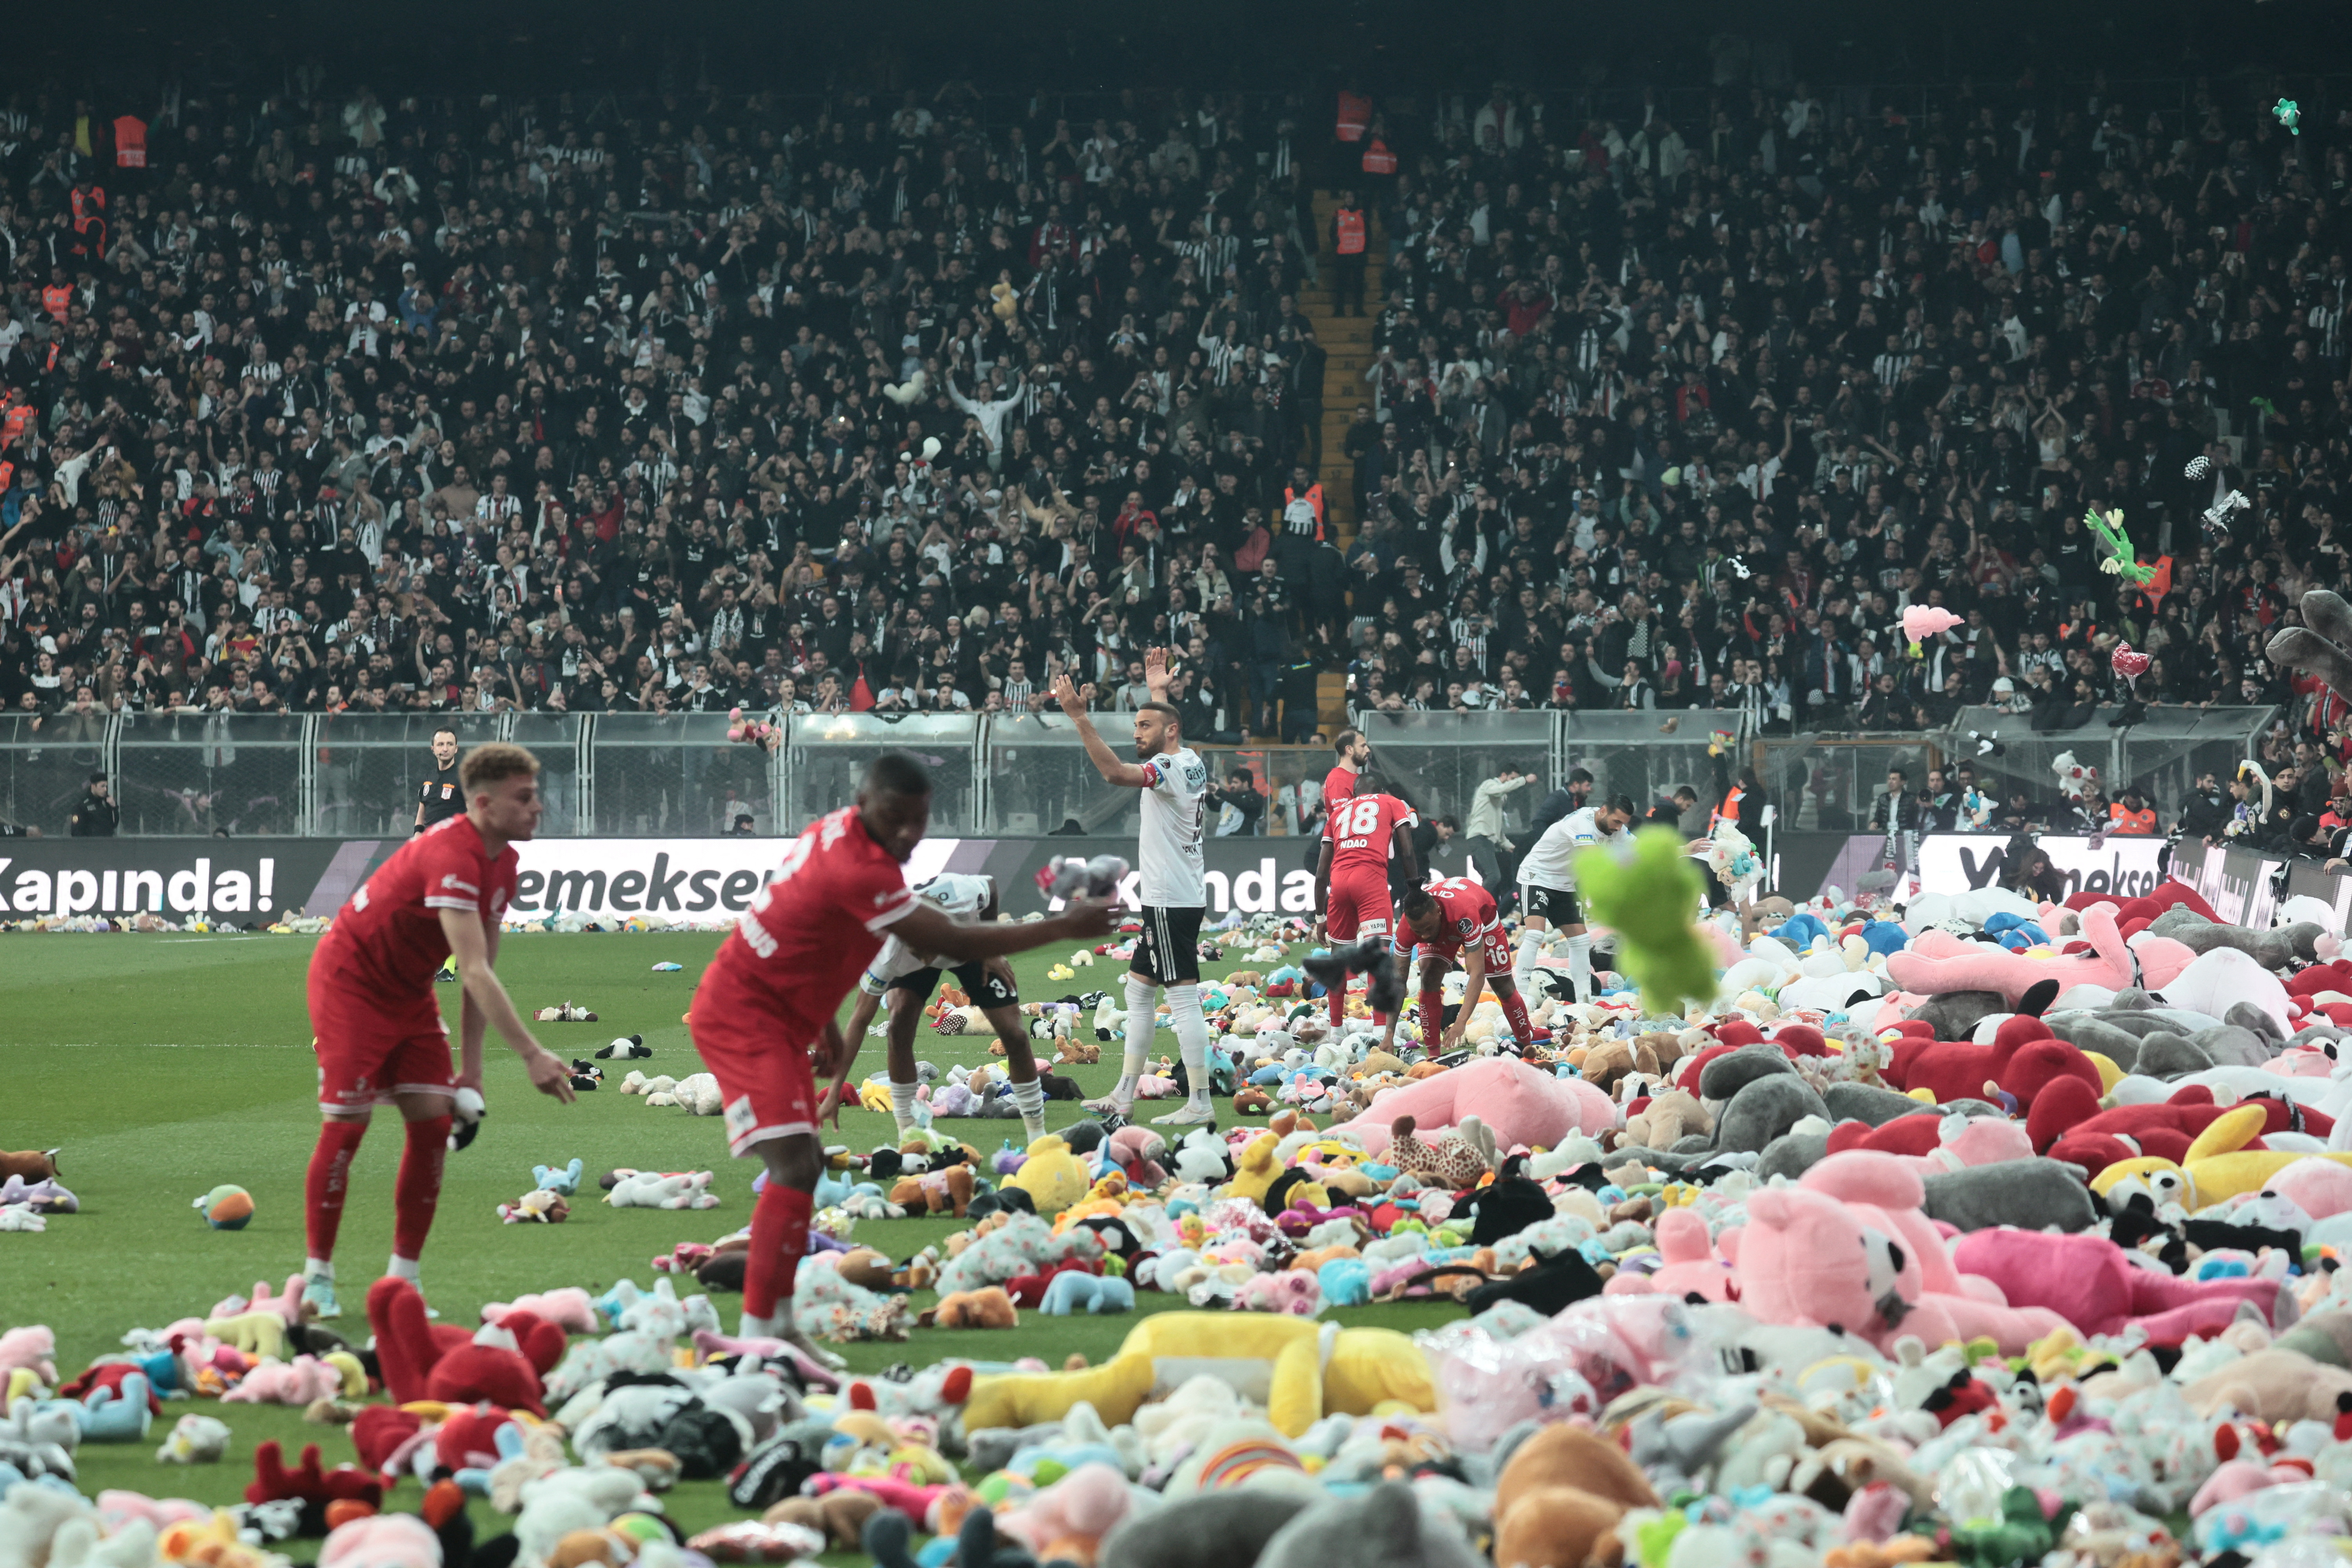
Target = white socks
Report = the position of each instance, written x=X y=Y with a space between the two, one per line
x=1192 y=1038
x=1142 y=1009
x=1029 y=1099
x=402 y=1269
x=1523 y=962
x=318 y=1269
x=751 y=1328
x=902 y=1105
x=1579 y=965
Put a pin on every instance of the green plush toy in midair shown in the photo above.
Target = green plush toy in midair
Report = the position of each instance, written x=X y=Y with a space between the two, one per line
x=2122 y=561
x=1647 y=899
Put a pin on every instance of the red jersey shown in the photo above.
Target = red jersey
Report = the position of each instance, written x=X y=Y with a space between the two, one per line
x=1470 y=914
x=1362 y=833
x=1339 y=788
x=387 y=942
x=811 y=931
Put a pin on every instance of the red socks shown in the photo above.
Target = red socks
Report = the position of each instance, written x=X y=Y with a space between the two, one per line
x=1339 y=1003
x=331 y=1177
x=779 y=1228
x=1432 y=1018
x=417 y=1193
x=1515 y=1013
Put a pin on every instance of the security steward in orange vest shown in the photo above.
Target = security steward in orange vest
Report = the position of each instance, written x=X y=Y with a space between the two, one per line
x=2130 y=814
x=1348 y=238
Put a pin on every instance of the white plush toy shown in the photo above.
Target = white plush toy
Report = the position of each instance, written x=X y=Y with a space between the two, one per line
x=653 y=1190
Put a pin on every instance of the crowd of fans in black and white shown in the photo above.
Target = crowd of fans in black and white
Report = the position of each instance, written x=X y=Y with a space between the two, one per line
x=349 y=400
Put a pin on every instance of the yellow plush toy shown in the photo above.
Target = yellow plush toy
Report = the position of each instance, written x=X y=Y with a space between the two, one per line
x=2219 y=1165
x=1255 y=1172
x=1052 y=1177
x=1278 y=1360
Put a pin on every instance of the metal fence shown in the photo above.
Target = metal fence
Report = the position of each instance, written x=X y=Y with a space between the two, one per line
x=677 y=776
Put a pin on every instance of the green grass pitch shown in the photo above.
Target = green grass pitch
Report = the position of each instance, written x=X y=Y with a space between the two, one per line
x=165 y=1065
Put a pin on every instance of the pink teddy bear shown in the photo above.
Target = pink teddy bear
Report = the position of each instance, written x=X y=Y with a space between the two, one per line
x=755 y=731
x=1293 y=1291
x=1689 y=1263
x=568 y=1309
x=298 y=1382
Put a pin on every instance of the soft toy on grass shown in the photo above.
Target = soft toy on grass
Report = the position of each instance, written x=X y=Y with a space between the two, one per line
x=226 y=1207
x=990 y=1307
x=1648 y=900
x=653 y=1190
x=1275 y=1359
x=32 y=1165
x=563 y=1180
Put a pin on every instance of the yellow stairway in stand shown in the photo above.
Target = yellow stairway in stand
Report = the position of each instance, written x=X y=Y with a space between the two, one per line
x=1347 y=340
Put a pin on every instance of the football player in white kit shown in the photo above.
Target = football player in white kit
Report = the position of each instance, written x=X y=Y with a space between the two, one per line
x=1547 y=889
x=1175 y=781
x=908 y=979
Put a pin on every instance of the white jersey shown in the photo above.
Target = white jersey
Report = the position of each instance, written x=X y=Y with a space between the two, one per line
x=961 y=897
x=1177 y=783
x=1553 y=862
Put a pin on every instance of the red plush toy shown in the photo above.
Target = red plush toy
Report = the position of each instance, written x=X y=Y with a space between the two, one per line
x=313 y=1487
x=423 y=1360
x=2021 y=1061
x=1915 y=1135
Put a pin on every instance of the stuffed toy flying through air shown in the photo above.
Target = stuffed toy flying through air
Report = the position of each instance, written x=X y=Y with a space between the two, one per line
x=1648 y=899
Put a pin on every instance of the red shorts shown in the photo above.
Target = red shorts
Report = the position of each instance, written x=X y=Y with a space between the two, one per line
x=369 y=1052
x=767 y=1088
x=1359 y=908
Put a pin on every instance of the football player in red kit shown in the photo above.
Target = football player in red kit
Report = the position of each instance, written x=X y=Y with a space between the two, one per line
x=380 y=1037
x=1450 y=919
x=763 y=1016
x=1361 y=834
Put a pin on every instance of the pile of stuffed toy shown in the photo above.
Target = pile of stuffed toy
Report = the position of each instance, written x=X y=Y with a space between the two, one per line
x=1970 y=1231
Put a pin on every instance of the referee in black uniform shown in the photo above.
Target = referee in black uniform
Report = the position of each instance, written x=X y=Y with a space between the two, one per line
x=440 y=796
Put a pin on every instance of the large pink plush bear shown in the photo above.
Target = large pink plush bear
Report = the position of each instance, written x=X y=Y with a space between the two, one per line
x=1523 y=1105
x=2088 y=1281
x=1938 y=961
x=1849 y=1247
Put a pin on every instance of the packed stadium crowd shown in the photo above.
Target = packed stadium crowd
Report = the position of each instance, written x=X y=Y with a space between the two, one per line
x=332 y=398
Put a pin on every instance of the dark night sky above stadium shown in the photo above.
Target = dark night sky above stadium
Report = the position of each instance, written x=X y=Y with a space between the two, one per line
x=1387 y=45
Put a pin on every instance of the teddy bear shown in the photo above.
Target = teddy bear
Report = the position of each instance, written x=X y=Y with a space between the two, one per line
x=1053 y=1176
x=1292 y=1290
x=1671 y=1116
x=1252 y=1101
x=990 y=1307
x=541 y=1207
x=1561 y=1497
x=655 y=1190
x=947 y=1191
x=1070 y=1048
x=1254 y=1170
x=839 y=1516
x=1605 y=1064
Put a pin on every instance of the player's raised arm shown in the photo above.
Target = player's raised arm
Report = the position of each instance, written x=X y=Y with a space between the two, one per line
x=1128 y=775
x=927 y=929
x=486 y=997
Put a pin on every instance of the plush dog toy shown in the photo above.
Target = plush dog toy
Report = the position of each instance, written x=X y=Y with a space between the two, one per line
x=32 y=1166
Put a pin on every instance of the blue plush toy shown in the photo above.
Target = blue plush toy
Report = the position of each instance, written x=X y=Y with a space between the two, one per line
x=1346 y=1281
x=1884 y=937
x=1073 y=1292
x=1799 y=930
x=565 y=1180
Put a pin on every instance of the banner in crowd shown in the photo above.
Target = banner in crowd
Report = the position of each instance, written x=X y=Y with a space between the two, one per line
x=239 y=879
x=2125 y=864
x=662 y=881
